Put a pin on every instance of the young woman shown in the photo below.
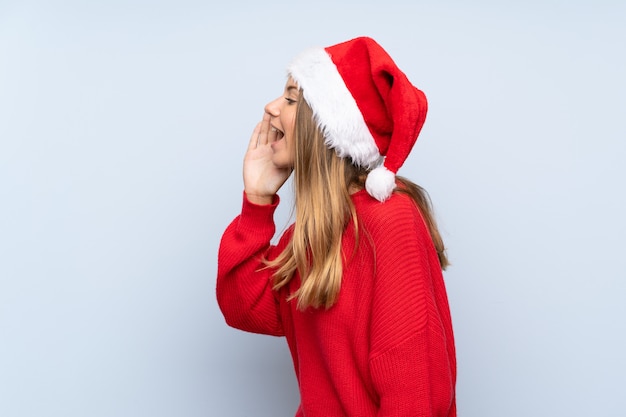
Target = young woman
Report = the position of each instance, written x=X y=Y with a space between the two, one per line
x=355 y=284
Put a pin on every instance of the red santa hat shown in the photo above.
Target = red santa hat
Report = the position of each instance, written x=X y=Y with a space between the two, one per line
x=365 y=106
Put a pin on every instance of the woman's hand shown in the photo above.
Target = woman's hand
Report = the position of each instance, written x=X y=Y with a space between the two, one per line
x=261 y=178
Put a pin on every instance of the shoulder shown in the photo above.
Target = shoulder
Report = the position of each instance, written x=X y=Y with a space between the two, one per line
x=395 y=223
x=397 y=211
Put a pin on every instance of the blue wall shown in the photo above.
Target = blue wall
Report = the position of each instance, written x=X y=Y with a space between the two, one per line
x=122 y=131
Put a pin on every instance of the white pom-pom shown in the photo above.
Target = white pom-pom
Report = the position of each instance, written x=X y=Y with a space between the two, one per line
x=380 y=183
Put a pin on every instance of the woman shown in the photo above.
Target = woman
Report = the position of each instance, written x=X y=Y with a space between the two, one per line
x=355 y=284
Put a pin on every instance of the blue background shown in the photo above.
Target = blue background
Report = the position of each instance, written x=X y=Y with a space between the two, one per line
x=123 y=126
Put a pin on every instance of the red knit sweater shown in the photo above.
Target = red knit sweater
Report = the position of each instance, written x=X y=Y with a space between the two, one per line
x=386 y=347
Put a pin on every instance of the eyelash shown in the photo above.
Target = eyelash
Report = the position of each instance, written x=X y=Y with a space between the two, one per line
x=290 y=100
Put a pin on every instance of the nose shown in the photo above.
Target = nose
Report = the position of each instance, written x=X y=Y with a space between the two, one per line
x=272 y=108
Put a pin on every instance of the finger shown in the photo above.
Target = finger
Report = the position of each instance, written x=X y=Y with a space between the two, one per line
x=272 y=135
x=265 y=129
x=254 y=139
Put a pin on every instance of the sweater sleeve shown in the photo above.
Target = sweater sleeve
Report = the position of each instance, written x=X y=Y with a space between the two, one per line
x=244 y=286
x=411 y=353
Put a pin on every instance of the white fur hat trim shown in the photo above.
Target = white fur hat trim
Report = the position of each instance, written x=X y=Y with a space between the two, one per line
x=335 y=110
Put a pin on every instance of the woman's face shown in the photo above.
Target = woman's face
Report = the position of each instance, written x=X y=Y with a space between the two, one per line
x=282 y=113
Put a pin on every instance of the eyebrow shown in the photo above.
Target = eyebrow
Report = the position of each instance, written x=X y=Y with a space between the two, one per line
x=292 y=87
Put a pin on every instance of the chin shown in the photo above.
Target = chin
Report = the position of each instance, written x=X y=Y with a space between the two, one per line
x=282 y=162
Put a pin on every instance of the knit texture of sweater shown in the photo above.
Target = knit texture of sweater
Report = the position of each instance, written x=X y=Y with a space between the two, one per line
x=386 y=347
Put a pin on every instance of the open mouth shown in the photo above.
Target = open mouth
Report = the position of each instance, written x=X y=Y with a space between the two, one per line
x=279 y=133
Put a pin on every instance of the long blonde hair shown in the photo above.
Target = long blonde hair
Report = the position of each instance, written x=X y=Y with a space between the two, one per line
x=323 y=208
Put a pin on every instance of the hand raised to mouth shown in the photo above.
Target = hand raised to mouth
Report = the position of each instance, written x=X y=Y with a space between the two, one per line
x=262 y=178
